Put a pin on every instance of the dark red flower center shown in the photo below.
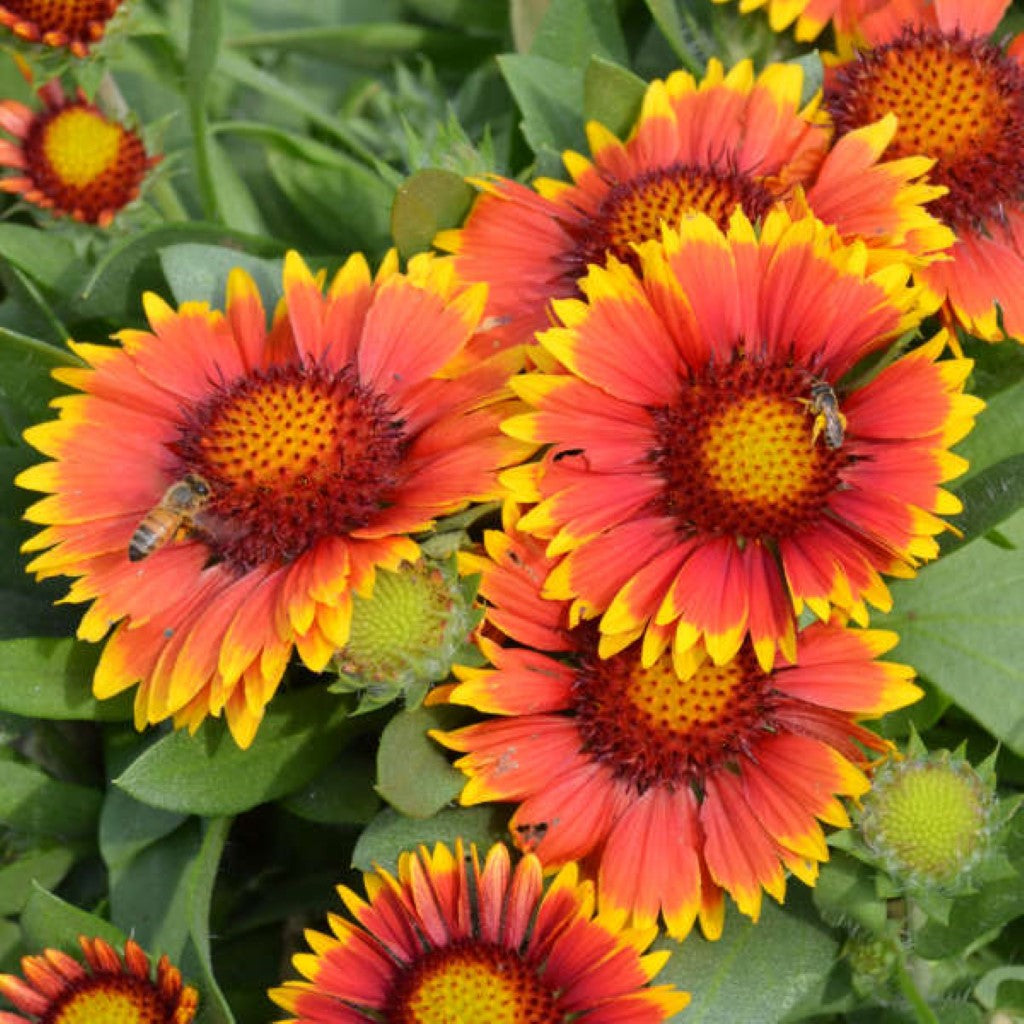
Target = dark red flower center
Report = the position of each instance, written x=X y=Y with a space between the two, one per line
x=959 y=100
x=472 y=981
x=74 y=20
x=634 y=210
x=738 y=454
x=112 y=999
x=84 y=164
x=652 y=728
x=291 y=454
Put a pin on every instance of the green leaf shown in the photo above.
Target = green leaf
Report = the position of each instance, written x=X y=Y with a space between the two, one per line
x=337 y=208
x=196 y=960
x=343 y=794
x=390 y=833
x=959 y=623
x=997 y=432
x=1002 y=988
x=425 y=203
x=115 y=287
x=45 y=867
x=207 y=774
x=204 y=39
x=756 y=972
x=127 y=827
x=26 y=387
x=846 y=892
x=199 y=273
x=988 y=498
x=47 y=257
x=374 y=46
x=668 y=18
x=48 y=922
x=149 y=893
x=573 y=31
x=32 y=802
x=463 y=14
x=413 y=774
x=46 y=677
x=10 y=945
x=550 y=97
x=612 y=95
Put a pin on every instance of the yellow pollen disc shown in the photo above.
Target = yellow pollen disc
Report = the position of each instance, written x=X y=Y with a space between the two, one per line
x=758 y=450
x=672 y=705
x=474 y=985
x=274 y=436
x=110 y=1003
x=80 y=146
x=971 y=112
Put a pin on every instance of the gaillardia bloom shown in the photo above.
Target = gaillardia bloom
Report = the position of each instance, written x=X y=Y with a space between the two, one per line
x=71 y=158
x=811 y=16
x=57 y=989
x=959 y=98
x=669 y=791
x=448 y=940
x=75 y=24
x=222 y=492
x=731 y=141
x=687 y=484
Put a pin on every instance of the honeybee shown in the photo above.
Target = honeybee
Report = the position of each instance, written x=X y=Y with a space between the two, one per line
x=828 y=420
x=176 y=510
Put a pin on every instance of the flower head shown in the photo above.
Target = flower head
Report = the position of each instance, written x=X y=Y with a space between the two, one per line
x=731 y=141
x=71 y=158
x=930 y=820
x=671 y=791
x=61 y=23
x=811 y=16
x=222 y=492
x=959 y=99
x=711 y=470
x=57 y=989
x=449 y=940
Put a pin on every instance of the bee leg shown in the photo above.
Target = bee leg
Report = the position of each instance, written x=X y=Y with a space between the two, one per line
x=819 y=426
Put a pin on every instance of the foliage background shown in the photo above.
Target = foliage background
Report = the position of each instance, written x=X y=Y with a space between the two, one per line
x=332 y=126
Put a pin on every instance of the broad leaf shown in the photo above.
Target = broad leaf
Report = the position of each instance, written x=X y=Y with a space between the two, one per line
x=207 y=773
x=959 y=623
x=550 y=97
x=413 y=774
x=755 y=972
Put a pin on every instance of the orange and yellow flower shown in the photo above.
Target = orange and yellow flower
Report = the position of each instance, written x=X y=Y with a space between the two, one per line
x=959 y=98
x=449 y=940
x=669 y=791
x=59 y=23
x=731 y=141
x=57 y=989
x=70 y=158
x=811 y=16
x=280 y=469
x=687 y=487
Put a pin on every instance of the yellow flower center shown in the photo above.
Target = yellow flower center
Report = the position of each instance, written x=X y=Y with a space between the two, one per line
x=469 y=984
x=653 y=728
x=738 y=454
x=83 y=164
x=957 y=99
x=81 y=145
x=112 y=1000
x=291 y=455
x=757 y=451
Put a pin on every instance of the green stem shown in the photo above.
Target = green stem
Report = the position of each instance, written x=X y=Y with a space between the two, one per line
x=923 y=1013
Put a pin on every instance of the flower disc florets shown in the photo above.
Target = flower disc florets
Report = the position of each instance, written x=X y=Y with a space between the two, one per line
x=929 y=819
